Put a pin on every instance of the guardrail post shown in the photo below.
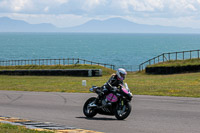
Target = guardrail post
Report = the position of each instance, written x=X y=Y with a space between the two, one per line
x=63 y=61
x=198 y=53
x=163 y=58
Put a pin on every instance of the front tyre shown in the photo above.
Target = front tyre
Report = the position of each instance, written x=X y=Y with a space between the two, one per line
x=122 y=112
x=88 y=110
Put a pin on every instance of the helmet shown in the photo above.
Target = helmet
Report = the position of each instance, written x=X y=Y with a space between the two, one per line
x=121 y=73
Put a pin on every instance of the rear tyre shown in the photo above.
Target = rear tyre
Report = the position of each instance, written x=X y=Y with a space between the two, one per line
x=89 y=111
x=122 y=112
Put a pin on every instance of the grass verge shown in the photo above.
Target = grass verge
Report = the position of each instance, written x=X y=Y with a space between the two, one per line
x=174 y=63
x=183 y=85
x=8 y=128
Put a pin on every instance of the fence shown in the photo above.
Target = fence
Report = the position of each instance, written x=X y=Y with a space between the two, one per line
x=67 y=61
x=182 y=55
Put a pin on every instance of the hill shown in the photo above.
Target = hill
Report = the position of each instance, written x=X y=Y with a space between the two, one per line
x=119 y=25
x=11 y=25
x=112 y=25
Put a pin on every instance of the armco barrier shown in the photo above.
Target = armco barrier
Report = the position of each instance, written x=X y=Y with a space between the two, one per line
x=55 y=72
x=172 y=70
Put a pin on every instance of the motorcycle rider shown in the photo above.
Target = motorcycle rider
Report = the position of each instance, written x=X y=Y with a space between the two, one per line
x=114 y=82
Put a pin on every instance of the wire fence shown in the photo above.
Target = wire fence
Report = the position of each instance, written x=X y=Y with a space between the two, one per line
x=182 y=55
x=66 y=61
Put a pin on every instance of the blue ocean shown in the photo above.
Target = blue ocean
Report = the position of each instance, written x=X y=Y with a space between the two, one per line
x=116 y=49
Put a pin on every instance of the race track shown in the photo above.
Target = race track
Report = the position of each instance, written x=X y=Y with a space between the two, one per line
x=150 y=114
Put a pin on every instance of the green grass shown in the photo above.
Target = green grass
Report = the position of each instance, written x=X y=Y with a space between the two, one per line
x=184 y=85
x=175 y=63
x=8 y=128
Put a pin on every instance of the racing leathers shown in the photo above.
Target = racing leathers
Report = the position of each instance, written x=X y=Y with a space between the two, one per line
x=112 y=82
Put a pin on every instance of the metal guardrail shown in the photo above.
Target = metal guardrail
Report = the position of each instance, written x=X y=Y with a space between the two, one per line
x=65 y=61
x=55 y=72
x=182 y=55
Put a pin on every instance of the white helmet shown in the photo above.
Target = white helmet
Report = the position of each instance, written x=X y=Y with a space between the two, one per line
x=121 y=74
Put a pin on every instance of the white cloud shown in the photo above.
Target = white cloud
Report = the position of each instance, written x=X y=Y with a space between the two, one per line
x=46 y=9
x=82 y=10
x=141 y=5
x=92 y=4
x=49 y=2
x=191 y=7
x=61 y=1
x=101 y=6
x=16 y=5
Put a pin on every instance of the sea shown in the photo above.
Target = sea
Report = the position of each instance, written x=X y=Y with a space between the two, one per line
x=113 y=48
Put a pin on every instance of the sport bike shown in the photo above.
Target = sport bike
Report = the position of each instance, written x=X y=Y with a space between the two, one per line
x=116 y=102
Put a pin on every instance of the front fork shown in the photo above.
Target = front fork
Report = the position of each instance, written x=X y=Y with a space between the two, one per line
x=122 y=102
x=122 y=106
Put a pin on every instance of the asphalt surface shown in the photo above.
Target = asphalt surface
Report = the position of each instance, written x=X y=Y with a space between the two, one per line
x=150 y=114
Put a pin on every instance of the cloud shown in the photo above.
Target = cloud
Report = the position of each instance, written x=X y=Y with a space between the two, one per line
x=111 y=7
x=89 y=9
x=141 y=5
x=46 y=9
x=191 y=7
x=92 y=3
x=15 y=5
x=61 y=1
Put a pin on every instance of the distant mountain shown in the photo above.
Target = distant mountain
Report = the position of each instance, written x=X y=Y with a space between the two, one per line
x=11 y=25
x=113 y=25
x=118 y=25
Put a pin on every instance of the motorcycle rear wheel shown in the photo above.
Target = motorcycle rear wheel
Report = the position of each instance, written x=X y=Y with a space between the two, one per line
x=122 y=114
x=89 y=111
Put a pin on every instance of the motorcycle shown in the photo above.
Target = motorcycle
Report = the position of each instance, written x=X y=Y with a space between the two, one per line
x=116 y=103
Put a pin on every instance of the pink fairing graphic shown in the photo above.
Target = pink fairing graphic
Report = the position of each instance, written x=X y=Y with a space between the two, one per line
x=125 y=90
x=111 y=98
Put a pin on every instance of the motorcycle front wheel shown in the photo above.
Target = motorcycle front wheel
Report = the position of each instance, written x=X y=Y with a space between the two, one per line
x=88 y=110
x=122 y=112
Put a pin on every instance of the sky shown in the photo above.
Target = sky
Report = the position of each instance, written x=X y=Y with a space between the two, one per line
x=68 y=13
